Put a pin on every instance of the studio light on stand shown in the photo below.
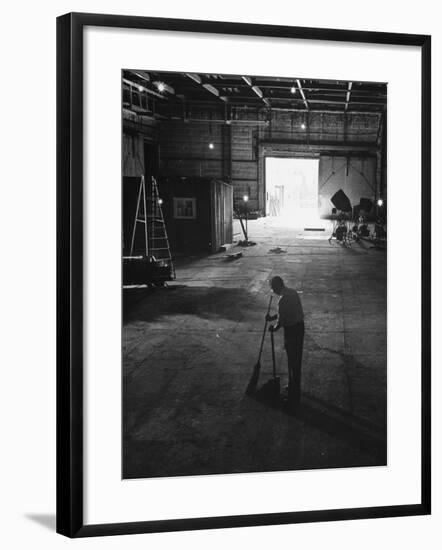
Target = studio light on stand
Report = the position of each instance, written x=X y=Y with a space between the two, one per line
x=379 y=204
x=246 y=199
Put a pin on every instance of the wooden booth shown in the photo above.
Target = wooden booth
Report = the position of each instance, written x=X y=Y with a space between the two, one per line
x=198 y=213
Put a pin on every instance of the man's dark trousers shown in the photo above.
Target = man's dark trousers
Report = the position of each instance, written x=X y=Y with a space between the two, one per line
x=294 y=343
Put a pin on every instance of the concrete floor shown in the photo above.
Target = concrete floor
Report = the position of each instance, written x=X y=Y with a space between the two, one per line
x=189 y=351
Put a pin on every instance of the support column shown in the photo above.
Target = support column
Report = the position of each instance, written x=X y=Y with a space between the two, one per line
x=378 y=175
x=227 y=152
x=380 y=187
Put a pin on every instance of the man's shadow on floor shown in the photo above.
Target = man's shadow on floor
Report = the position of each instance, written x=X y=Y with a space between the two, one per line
x=329 y=419
x=339 y=423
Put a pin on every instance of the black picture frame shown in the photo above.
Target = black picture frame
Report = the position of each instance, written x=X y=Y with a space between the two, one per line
x=70 y=272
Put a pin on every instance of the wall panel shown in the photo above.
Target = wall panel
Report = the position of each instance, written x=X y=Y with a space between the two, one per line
x=238 y=151
x=355 y=176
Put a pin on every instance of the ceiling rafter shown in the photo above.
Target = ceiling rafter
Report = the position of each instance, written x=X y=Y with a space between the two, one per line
x=144 y=75
x=333 y=102
x=261 y=91
x=301 y=91
x=347 y=99
x=256 y=89
x=196 y=78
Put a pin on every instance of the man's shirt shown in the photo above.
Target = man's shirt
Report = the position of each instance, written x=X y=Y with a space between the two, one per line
x=290 y=309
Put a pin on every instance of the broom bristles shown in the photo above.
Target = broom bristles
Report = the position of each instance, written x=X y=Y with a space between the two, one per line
x=251 y=386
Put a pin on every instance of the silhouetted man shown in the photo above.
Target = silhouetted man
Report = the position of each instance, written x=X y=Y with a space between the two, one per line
x=291 y=317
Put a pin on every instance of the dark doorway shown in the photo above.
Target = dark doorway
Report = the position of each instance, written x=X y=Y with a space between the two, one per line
x=151 y=159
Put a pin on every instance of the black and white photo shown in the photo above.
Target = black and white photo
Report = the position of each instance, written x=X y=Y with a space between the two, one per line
x=254 y=272
x=243 y=274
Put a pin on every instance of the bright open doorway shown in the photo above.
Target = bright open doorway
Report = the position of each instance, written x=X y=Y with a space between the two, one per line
x=292 y=190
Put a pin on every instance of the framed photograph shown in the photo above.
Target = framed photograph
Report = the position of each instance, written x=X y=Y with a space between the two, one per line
x=184 y=208
x=243 y=274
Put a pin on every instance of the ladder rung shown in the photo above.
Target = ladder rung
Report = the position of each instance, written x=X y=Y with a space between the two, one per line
x=153 y=216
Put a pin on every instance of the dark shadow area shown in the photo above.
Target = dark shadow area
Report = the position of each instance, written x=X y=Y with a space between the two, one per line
x=182 y=260
x=347 y=414
x=133 y=296
x=349 y=362
x=46 y=520
x=348 y=429
x=337 y=422
x=330 y=420
x=148 y=305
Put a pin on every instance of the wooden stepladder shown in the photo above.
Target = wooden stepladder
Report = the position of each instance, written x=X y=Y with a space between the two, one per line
x=149 y=214
x=140 y=217
x=159 y=247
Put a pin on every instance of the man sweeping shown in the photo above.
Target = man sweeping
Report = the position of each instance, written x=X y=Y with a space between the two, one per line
x=290 y=316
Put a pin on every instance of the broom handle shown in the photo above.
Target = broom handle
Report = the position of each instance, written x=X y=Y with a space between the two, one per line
x=265 y=329
x=273 y=353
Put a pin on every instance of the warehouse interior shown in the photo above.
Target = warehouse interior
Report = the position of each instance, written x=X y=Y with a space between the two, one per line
x=227 y=181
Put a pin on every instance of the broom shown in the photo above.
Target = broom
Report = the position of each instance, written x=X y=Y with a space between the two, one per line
x=251 y=387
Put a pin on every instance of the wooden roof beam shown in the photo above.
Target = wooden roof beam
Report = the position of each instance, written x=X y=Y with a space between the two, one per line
x=301 y=91
x=196 y=78
x=325 y=111
x=330 y=102
x=141 y=74
x=256 y=90
x=347 y=100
